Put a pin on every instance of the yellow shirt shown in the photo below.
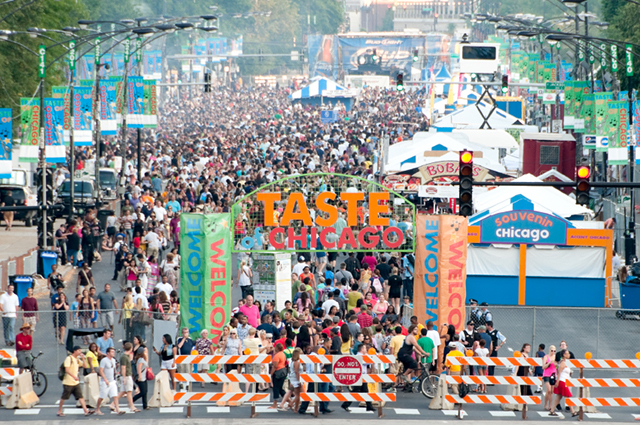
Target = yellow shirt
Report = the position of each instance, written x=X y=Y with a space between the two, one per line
x=127 y=310
x=455 y=353
x=92 y=360
x=346 y=346
x=396 y=343
x=73 y=365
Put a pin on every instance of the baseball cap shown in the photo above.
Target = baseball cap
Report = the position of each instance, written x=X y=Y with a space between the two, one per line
x=301 y=258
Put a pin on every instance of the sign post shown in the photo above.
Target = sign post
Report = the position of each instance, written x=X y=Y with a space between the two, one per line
x=347 y=371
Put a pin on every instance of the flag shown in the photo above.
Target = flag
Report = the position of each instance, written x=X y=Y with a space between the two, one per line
x=30 y=128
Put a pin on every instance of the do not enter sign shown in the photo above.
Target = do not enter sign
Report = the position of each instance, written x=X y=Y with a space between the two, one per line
x=347 y=370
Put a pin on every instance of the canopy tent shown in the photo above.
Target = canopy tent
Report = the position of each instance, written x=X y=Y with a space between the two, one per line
x=517 y=202
x=324 y=90
x=547 y=197
x=469 y=118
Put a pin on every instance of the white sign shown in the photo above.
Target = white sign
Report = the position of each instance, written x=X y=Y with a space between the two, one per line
x=339 y=93
x=440 y=191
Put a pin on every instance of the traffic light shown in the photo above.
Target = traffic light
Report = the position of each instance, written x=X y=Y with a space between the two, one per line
x=400 y=82
x=505 y=84
x=465 y=176
x=374 y=56
x=583 y=185
x=45 y=228
x=415 y=55
x=207 y=82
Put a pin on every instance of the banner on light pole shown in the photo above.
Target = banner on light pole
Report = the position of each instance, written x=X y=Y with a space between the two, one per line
x=108 y=122
x=30 y=128
x=83 y=116
x=54 y=130
x=602 y=114
x=6 y=140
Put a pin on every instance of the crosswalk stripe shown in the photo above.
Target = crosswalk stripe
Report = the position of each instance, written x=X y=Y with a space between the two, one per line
x=171 y=409
x=501 y=414
x=407 y=411
x=218 y=409
x=598 y=416
x=545 y=414
x=27 y=411
x=454 y=413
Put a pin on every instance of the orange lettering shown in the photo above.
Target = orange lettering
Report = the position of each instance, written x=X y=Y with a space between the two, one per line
x=352 y=199
x=323 y=206
x=289 y=215
x=268 y=199
x=375 y=208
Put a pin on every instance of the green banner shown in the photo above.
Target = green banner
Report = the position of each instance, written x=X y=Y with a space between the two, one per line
x=150 y=104
x=30 y=128
x=42 y=64
x=533 y=63
x=580 y=88
x=569 y=114
x=205 y=267
x=602 y=114
x=217 y=307
x=629 y=60
x=618 y=130
x=587 y=112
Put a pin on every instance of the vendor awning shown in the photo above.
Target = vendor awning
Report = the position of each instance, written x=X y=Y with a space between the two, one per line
x=322 y=87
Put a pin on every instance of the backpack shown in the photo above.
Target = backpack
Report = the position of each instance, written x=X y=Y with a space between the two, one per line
x=376 y=284
x=412 y=259
x=62 y=371
x=463 y=390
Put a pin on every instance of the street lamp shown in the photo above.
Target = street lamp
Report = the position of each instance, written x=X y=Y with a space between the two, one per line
x=573 y=3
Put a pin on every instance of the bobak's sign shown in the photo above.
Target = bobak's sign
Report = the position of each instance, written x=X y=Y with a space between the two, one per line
x=523 y=227
x=329 y=222
x=445 y=170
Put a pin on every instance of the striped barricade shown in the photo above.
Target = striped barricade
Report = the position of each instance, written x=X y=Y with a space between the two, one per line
x=5 y=391
x=7 y=354
x=368 y=359
x=244 y=359
x=494 y=380
x=8 y=373
x=226 y=397
x=357 y=397
x=605 y=364
x=522 y=361
x=223 y=378
x=368 y=378
x=603 y=402
x=603 y=382
x=493 y=399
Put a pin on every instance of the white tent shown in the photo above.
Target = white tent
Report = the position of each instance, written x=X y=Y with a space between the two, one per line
x=547 y=197
x=469 y=118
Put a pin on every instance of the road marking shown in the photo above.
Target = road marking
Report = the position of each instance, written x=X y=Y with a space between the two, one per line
x=598 y=416
x=265 y=409
x=407 y=411
x=28 y=412
x=218 y=409
x=501 y=414
x=359 y=410
x=73 y=411
x=635 y=416
x=123 y=410
x=545 y=414
x=454 y=413
x=171 y=409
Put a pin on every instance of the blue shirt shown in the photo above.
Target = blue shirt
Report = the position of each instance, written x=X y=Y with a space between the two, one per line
x=103 y=345
x=407 y=267
x=174 y=204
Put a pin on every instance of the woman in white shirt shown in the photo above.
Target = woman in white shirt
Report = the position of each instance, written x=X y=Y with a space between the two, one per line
x=244 y=278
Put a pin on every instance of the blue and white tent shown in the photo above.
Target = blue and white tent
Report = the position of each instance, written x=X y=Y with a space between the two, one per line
x=517 y=202
x=324 y=90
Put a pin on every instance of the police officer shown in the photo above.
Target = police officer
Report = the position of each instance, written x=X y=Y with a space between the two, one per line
x=468 y=335
x=486 y=315
x=475 y=314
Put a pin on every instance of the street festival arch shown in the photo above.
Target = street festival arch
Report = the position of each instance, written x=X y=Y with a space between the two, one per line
x=294 y=215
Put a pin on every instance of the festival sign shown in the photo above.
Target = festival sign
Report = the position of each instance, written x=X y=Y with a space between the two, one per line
x=82 y=116
x=30 y=129
x=523 y=226
x=441 y=270
x=323 y=212
x=135 y=98
x=150 y=104
x=54 y=130
x=6 y=141
x=618 y=121
x=601 y=125
x=587 y=112
x=108 y=123
x=63 y=92
x=569 y=113
x=205 y=269
x=580 y=90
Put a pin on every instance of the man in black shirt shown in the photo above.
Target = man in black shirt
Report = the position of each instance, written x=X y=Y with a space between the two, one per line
x=8 y=201
x=385 y=269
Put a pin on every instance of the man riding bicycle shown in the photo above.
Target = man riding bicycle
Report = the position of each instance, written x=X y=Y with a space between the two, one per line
x=405 y=354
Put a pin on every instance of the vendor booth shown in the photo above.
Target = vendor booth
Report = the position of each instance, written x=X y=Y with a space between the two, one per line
x=469 y=117
x=519 y=251
x=324 y=91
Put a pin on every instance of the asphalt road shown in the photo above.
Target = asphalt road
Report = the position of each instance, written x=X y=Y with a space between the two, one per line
x=621 y=337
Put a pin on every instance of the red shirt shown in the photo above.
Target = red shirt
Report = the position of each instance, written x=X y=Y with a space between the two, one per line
x=23 y=342
x=364 y=320
x=29 y=304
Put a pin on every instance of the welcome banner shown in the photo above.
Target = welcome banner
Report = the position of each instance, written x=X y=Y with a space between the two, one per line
x=54 y=130
x=150 y=109
x=440 y=270
x=30 y=128
x=82 y=116
x=6 y=140
x=135 y=98
x=63 y=92
x=108 y=122
x=205 y=269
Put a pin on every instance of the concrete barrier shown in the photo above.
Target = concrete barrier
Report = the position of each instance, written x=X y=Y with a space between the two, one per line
x=22 y=395
x=162 y=395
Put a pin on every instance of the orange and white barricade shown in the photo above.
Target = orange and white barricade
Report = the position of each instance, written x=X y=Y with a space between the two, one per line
x=231 y=394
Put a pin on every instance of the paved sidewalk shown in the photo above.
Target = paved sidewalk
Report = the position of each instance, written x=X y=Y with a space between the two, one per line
x=18 y=241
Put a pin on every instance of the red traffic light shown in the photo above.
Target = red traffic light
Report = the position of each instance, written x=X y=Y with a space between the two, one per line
x=466 y=157
x=584 y=172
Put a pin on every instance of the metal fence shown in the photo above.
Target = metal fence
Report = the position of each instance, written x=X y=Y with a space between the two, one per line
x=595 y=330
x=49 y=329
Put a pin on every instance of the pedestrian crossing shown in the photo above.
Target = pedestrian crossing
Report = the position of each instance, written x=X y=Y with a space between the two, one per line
x=263 y=408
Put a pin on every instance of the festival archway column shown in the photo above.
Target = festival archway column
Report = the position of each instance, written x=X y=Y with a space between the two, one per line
x=440 y=272
x=205 y=267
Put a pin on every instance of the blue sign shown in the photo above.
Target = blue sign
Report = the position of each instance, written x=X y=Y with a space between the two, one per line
x=328 y=116
x=54 y=129
x=523 y=227
x=6 y=141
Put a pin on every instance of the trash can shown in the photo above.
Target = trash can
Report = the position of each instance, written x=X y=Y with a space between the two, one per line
x=48 y=259
x=21 y=283
x=630 y=296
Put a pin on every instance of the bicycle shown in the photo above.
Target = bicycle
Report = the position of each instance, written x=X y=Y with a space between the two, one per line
x=425 y=382
x=38 y=379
